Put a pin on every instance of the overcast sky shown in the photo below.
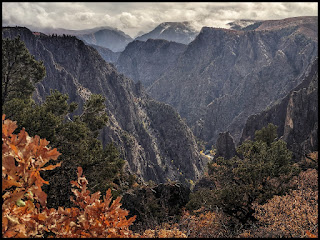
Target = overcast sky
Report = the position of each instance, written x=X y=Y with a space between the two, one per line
x=133 y=17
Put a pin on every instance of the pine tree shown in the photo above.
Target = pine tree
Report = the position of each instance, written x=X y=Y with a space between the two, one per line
x=75 y=138
x=94 y=114
x=261 y=169
x=267 y=134
x=20 y=70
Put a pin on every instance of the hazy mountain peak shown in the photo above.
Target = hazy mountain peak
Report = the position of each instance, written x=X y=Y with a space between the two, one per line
x=181 y=32
x=110 y=38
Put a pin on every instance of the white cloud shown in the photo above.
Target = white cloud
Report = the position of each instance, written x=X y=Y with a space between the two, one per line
x=132 y=17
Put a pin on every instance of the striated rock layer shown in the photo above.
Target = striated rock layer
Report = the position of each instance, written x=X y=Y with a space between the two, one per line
x=151 y=136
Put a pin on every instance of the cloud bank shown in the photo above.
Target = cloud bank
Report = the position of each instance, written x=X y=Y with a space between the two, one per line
x=134 y=17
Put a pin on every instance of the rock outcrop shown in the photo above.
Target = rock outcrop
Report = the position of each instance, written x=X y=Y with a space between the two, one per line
x=150 y=135
x=225 y=146
x=296 y=116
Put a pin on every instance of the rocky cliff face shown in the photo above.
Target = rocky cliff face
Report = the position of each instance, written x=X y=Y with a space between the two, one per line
x=150 y=135
x=147 y=61
x=180 y=32
x=224 y=76
x=296 y=116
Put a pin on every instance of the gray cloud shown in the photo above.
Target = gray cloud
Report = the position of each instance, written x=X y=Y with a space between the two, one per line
x=133 y=17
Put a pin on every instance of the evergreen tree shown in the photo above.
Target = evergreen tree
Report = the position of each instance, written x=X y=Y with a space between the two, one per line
x=267 y=134
x=94 y=114
x=75 y=139
x=20 y=70
x=261 y=170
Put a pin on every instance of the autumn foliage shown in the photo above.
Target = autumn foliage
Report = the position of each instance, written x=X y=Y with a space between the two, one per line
x=294 y=214
x=24 y=212
x=23 y=158
x=164 y=231
x=204 y=224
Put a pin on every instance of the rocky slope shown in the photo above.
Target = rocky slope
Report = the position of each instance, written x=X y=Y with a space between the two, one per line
x=181 y=32
x=224 y=76
x=296 y=116
x=147 y=61
x=151 y=136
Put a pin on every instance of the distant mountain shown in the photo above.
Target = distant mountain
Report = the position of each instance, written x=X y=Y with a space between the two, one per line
x=181 y=32
x=147 y=61
x=307 y=26
x=106 y=37
x=113 y=39
x=224 y=75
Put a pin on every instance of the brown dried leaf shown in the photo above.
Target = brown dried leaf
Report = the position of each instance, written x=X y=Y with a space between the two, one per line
x=51 y=167
x=9 y=183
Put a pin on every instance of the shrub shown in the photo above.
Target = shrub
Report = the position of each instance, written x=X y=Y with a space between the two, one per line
x=292 y=215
